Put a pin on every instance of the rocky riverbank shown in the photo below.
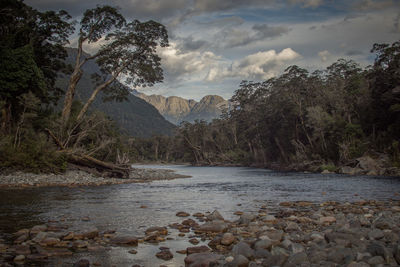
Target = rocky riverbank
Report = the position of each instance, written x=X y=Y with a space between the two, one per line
x=82 y=178
x=363 y=233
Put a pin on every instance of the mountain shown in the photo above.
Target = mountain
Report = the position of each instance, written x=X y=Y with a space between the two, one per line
x=135 y=116
x=177 y=109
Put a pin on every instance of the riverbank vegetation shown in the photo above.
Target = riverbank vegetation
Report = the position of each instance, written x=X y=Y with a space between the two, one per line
x=301 y=120
x=43 y=127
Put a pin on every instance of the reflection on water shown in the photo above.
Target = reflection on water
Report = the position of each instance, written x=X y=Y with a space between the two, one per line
x=223 y=188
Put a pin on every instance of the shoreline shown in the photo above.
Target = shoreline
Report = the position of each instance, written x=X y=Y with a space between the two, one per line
x=361 y=233
x=75 y=178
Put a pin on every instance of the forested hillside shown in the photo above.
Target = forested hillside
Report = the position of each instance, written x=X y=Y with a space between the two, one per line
x=134 y=116
x=308 y=121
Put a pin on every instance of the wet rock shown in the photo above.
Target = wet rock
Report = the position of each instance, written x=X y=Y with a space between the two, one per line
x=19 y=258
x=246 y=218
x=327 y=220
x=341 y=255
x=229 y=259
x=202 y=259
x=227 y=239
x=273 y=234
x=200 y=249
x=125 y=240
x=158 y=230
x=49 y=241
x=317 y=256
x=396 y=253
x=39 y=237
x=198 y=215
x=82 y=263
x=269 y=218
x=80 y=244
x=165 y=254
x=90 y=233
x=376 y=260
x=274 y=260
x=292 y=226
x=21 y=239
x=189 y=222
x=375 y=234
x=262 y=253
x=183 y=251
x=239 y=261
x=265 y=243
x=38 y=228
x=296 y=259
x=215 y=215
x=296 y=248
x=182 y=214
x=213 y=226
x=242 y=248
x=22 y=250
x=194 y=241
x=69 y=236
x=382 y=223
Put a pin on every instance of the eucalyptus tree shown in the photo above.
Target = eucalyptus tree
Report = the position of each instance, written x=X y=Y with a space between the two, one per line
x=126 y=49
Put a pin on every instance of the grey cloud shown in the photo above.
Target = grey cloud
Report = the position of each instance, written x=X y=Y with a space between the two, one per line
x=373 y=5
x=354 y=53
x=313 y=27
x=265 y=31
x=189 y=44
x=149 y=9
x=232 y=37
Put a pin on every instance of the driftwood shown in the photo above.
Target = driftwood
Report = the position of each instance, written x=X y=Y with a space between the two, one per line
x=91 y=164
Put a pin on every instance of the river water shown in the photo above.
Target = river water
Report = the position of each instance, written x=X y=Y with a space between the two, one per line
x=227 y=189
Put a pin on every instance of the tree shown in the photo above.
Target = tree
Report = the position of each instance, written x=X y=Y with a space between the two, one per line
x=31 y=54
x=129 y=50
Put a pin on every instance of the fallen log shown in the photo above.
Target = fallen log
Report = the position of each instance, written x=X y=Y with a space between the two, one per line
x=105 y=168
x=91 y=164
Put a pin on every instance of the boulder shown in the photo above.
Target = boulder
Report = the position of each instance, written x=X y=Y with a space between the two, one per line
x=215 y=226
x=200 y=249
x=227 y=239
x=158 y=230
x=242 y=248
x=124 y=240
x=165 y=254
x=215 y=215
x=182 y=214
x=202 y=259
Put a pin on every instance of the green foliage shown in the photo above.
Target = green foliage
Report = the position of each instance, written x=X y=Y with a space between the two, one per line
x=34 y=154
x=329 y=167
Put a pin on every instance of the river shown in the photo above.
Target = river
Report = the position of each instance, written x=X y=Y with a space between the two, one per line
x=227 y=189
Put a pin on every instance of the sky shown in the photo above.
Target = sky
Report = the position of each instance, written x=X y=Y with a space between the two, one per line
x=215 y=44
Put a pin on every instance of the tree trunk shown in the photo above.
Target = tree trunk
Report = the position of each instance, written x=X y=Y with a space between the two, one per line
x=93 y=97
x=73 y=81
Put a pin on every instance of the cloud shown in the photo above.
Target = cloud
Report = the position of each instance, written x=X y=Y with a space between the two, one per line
x=324 y=55
x=178 y=64
x=307 y=3
x=374 y=5
x=261 y=65
x=230 y=37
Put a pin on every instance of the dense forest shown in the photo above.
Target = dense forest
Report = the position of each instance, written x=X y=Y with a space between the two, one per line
x=45 y=127
x=299 y=120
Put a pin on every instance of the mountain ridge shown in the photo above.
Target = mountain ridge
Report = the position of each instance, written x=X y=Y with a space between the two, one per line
x=177 y=109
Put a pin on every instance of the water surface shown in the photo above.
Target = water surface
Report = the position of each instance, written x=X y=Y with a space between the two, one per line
x=227 y=189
